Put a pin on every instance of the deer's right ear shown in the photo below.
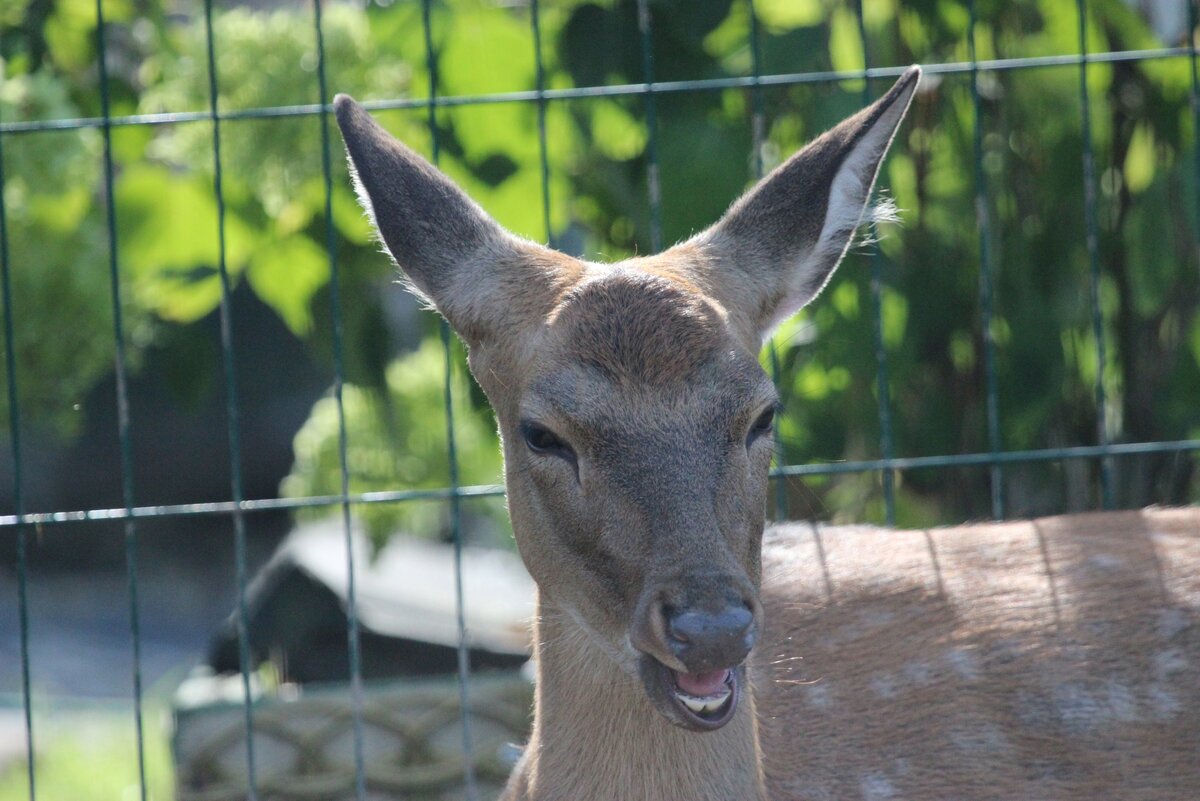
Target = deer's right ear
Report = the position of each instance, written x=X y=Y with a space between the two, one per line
x=483 y=279
x=776 y=247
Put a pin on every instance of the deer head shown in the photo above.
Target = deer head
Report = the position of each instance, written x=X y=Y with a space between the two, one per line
x=636 y=421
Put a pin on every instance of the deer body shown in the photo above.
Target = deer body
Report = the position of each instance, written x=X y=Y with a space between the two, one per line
x=1054 y=659
x=1051 y=659
x=681 y=659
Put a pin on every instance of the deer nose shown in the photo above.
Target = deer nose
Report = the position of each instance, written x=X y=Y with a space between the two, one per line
x=704 y=640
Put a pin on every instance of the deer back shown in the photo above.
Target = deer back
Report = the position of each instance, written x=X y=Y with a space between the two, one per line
x=1051 y=659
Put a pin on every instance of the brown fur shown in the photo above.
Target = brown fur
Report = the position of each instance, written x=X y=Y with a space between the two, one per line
x=1049 y=659
x=616 y=321
x=1004 y=661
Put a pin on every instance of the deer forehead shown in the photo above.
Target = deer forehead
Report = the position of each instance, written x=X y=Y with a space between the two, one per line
x=625 y=343
x=640 y=328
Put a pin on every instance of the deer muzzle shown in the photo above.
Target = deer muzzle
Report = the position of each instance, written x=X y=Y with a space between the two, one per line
x=705 y=641
x=693 y=638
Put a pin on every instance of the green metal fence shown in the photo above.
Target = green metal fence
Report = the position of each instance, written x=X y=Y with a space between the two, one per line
x=21 y=522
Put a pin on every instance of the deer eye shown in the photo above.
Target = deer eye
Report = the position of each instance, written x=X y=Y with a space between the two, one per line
x=542 y=440
x=763 y=425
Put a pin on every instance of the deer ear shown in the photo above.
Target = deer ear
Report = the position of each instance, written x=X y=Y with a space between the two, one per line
x=778 y=245
x=480 y=277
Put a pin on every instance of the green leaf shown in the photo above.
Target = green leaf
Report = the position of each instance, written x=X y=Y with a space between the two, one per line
x=68 y=33
x=285 y=274
x=182 y=297
x=962 y=351
x=170 y=243
x=167 y=222
x=61 y=213
x=12 y=12
x=617 y=134
x=812 y=382
x=486 y=50
x=779 y=16
x=845 y=45
x=396 y=442
x=349 y=217
x=895 y=318
x=1139 y=160
x=845 y=300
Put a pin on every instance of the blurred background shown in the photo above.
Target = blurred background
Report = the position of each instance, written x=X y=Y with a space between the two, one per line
x=991 y=173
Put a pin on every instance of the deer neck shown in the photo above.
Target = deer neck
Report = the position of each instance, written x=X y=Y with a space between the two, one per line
x=596 y=736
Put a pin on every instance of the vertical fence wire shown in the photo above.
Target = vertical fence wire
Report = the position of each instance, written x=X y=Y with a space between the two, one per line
x=232 y=411
x=881 y=361
x=18 y=488
x=653 y=179
x=432 y=69
x=1194 y=99
x=1093 y=254
x=543 y=148
x=124 y=431
x=758 y=112
x=983 y=219
x=781 y=499
x=464 y=662
x=353 y=634
x=758 y=133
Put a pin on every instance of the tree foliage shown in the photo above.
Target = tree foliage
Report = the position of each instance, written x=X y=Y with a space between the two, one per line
x=1030 y=167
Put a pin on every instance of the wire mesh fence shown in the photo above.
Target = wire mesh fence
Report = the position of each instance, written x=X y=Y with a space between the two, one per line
x=654 y=93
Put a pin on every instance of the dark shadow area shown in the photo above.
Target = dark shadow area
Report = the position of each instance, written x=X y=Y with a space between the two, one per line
x=180 y=441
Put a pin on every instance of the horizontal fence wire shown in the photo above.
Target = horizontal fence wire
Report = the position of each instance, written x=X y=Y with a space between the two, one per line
x=497 y=490
x=580 y=93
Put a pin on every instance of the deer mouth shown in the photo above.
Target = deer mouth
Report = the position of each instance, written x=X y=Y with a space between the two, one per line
x=695 y=701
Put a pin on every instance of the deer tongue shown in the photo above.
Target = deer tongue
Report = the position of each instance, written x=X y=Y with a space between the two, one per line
x=702 y=685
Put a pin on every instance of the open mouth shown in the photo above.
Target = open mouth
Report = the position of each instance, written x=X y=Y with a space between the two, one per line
x=697 y=701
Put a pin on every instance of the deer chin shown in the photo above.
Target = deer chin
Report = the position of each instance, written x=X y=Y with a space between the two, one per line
x=697 y=702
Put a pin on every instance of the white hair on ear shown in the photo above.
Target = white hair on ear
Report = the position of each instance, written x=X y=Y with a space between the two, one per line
x=847 y=211
x=883 y=211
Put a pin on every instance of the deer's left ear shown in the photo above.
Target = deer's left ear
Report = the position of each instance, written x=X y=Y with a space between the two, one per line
x=777 y=246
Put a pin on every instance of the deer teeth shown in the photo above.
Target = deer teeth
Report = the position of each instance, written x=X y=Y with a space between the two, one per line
x=704 y=705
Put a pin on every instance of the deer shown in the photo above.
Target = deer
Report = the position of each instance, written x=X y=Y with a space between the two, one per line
x=685 y=651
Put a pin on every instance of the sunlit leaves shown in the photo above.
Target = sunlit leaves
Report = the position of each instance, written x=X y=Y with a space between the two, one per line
x=598 y=152
x=397 y=441
x=170 y=243
x=845 y=44
x=895 y=318
x=781 y=15
x=59 y=259
x=616 y=133
x=285 y=273
x=1139 y=160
